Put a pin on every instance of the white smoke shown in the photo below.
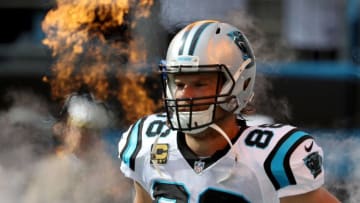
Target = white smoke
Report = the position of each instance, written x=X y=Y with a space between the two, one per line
x=69 y=179
x=31 y=172
x=88 y=112
x=342 y=163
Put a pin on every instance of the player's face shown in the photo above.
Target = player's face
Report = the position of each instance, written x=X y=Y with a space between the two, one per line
x=196 y=85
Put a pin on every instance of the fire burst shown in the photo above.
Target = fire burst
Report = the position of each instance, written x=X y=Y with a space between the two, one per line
x=92 y=43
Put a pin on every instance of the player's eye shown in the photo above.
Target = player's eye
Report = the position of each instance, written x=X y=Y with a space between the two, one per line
x=179 y=85
x=200 y=84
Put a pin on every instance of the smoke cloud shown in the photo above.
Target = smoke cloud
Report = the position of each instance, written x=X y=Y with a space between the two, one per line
x=31 y=172
x=342 y=163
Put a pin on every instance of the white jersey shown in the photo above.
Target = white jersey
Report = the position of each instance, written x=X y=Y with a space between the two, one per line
x=273 y=161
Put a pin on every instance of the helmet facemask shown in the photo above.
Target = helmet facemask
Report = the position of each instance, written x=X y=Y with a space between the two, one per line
x=193 y=115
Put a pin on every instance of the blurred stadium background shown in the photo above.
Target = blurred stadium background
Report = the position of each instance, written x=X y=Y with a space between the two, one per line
x=308 y=57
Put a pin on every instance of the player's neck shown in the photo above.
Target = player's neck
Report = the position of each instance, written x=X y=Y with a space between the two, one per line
x=211 y=141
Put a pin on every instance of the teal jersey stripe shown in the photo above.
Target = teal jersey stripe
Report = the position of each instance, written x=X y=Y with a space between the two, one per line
x=278 y=161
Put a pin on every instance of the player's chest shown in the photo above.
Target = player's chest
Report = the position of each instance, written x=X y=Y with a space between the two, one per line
x=223 y=181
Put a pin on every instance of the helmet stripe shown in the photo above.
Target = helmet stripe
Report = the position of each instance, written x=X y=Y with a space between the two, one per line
x=197 y=36
x=183 y=40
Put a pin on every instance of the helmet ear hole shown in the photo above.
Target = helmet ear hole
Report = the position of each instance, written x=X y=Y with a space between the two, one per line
x=218 y=30
x=246 y=83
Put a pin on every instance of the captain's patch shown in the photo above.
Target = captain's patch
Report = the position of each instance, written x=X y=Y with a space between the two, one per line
x=314 y=162
x=160 y=156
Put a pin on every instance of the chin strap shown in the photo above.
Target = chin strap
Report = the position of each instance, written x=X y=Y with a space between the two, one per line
x=232 y=148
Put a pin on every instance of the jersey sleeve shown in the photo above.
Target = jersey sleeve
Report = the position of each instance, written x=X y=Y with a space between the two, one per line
x=305 y=168
x=135 y=147
x=128 y=148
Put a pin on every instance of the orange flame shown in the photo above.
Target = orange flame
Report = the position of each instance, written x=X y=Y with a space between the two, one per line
x=91 y=41
x=135 y=99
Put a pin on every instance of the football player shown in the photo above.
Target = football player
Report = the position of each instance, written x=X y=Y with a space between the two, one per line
x=200 y=149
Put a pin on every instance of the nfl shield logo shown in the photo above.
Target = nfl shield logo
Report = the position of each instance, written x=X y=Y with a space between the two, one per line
x=199 y=166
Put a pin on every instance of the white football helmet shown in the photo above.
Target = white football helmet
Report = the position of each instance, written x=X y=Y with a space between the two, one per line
x=208 y=46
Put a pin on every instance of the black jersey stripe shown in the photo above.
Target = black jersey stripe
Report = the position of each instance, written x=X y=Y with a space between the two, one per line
x=196 y=37
x=133 y=145
x=277 y=165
